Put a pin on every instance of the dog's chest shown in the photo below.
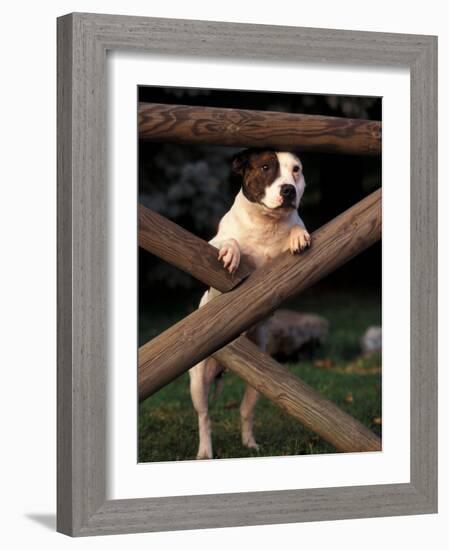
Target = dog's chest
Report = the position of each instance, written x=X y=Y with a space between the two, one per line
x=262 y=245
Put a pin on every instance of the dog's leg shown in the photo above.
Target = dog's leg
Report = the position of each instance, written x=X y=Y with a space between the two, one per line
x=257 y=335
x=201 y=378
x=247 y=409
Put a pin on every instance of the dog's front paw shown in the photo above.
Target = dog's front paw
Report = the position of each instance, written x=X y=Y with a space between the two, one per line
x=299 y=239
x=229 y=254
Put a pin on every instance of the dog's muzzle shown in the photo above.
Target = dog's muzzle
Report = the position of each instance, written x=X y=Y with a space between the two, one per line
x=288 y=194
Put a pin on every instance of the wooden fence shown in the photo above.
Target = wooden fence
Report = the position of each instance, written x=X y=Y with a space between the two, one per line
x=248 y=297
x=240 y=128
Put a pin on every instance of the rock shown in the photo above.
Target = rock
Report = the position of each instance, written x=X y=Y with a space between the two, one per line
x=371 y=341
x=290 y=332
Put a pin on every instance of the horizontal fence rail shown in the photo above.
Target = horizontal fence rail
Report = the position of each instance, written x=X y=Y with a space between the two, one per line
x=244 y=128
x=179 y=247
x=298 y=399
x=223 y=319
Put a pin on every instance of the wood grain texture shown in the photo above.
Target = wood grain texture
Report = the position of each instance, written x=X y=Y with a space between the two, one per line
x=82 y=250
x=243 y=128
x=296 y=398
x=65 y=451
x=218 y=322
x=82 y=343
x=423 y=274
x=175 y=245
x=254 y=508
x=218 y=39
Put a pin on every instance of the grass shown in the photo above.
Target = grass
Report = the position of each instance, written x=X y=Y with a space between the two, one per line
x=168 y=423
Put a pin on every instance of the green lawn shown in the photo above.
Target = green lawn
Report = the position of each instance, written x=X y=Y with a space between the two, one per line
x=168 y=423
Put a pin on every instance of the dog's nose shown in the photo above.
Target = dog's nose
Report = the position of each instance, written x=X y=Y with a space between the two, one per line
x=288 y=191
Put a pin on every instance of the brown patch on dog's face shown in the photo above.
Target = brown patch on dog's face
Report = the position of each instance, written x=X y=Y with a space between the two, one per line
x=256 y=169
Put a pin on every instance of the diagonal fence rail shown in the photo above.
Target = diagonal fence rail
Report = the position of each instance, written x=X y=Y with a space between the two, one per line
x=179 y=247
x=223 y=319
x=295 y=397
x=199 y=335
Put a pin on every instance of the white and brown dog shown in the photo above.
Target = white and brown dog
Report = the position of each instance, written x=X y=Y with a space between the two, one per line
x=262 y=223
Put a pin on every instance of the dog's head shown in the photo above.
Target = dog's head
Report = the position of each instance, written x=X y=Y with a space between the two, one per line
x=270 y=178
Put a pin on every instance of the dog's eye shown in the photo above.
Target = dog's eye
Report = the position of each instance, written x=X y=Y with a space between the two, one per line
x=295 y=169
x=265 y=167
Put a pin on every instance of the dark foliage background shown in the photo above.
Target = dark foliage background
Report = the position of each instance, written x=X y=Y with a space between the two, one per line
x=191 y=185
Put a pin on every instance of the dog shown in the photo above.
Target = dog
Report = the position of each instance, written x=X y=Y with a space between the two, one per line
x=262 y=223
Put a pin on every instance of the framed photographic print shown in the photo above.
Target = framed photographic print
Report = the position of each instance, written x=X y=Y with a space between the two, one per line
x=246 y=274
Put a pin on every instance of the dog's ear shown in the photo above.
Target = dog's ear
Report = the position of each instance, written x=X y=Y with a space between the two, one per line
x=239 y=163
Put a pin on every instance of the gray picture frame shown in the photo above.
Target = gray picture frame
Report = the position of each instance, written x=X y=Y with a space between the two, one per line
x=83 y=40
